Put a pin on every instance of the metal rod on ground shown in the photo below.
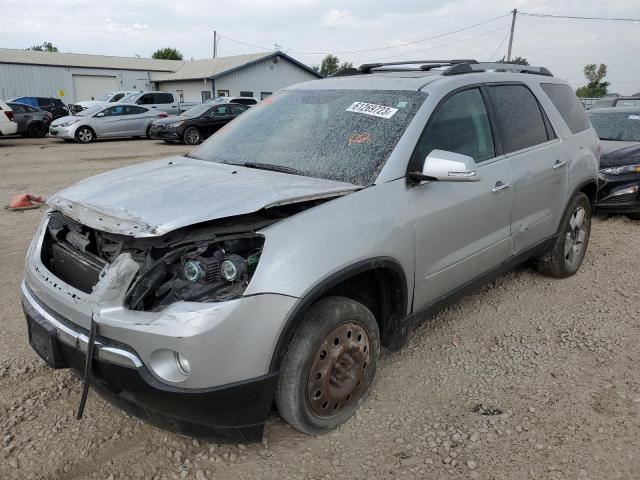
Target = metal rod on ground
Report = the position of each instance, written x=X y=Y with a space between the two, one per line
x=87 y=368
x=513 y=26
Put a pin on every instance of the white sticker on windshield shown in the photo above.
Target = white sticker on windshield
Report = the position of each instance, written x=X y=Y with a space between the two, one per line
x=372 y=109
x=634 y=117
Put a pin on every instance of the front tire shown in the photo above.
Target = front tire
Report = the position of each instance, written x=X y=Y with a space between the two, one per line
x=84 y=135
x=570 y=246
x=192 y=136
x=37 y=130
x=329 y=366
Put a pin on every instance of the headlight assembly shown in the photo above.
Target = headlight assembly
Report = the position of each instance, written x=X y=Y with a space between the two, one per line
x=623 y=170
x=68 y=124
x=175 y=124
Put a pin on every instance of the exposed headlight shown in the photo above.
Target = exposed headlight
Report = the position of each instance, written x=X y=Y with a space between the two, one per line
x=625 y=169
x=233 y=268
x=68 y=124
x=175 y=124
x=192 y=270
x=625 y=191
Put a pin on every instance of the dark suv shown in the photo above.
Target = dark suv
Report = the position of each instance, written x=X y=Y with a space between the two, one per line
x=54 y=106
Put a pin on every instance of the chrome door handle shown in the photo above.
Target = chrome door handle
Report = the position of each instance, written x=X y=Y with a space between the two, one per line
x=559 y=164
x=500 y=187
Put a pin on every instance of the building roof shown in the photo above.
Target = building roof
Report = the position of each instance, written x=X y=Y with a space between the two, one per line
x=216 y=67
x=33 y=57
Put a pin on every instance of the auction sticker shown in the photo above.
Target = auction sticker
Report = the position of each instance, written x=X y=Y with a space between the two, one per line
x=372 y=109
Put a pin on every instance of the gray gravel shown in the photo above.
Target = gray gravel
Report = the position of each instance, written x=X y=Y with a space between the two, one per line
x=527 y=378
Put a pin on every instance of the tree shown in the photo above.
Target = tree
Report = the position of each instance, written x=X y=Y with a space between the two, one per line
x=167 y=53
x=516 y=61
x=330 y=65
x=595 y=86
x=44 y=47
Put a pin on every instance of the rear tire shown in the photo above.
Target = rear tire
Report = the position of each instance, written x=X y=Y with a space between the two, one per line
x=84 y=135
x=329 y=366
x=569 y=247
x=192 y=136
x=37 y=130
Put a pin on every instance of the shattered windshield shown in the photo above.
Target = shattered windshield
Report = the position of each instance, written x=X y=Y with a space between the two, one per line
x=344 y=135
x=617 y=126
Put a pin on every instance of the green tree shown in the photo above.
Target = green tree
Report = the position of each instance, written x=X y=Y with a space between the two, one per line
x=167 y=53
x=44 y=47
x=330 y=65
x=595 y=86
x=516 y=61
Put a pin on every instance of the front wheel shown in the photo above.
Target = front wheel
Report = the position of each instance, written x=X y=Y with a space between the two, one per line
x=192 y=136
x=329 y=366
x=570 y=246
x=37 y=130
x=84 y=135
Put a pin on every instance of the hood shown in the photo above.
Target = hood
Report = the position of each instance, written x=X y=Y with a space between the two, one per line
x=68 y=118
x=153 y=198
x=615 y=154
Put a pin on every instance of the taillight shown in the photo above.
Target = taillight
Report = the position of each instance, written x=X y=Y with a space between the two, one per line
x=9 y=114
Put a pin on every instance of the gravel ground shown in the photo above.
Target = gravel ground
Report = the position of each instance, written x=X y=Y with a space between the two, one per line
x=528 y=378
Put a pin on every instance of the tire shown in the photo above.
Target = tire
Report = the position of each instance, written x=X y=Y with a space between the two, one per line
x=148 y=132
x=316 y=397
x=569 y=247
x=634 y=216
x=84 y=135
x=192 y=136
x=37 y=130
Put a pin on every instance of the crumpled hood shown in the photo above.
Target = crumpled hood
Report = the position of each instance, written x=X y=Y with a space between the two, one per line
x=616 y=154
x=153 y=198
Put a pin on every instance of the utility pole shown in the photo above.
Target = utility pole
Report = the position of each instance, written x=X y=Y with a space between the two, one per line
x=215 y=44
x=513 y=26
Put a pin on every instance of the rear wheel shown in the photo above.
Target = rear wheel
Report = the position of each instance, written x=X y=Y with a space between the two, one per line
x=192 y=136
x=84 y=135
x=329 y=365
x=570 y=246
x=37 y=130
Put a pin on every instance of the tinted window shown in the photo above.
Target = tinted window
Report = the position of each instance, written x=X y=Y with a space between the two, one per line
x=115 y=111
x=568 y=106
x=57 y=102
x=45 y=102
x=146 y=99
x=238 y=109
x=117 y=97
x=17 y=108
x=245 y=101
x=519 y=117
x=459 y=125
x=163 y=98
x=133 y=110
x=221 y=110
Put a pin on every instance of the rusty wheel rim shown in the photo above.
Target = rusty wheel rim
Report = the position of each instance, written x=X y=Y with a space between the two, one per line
x=341 y=370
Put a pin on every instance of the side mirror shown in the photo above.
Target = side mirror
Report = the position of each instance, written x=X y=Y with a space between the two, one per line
x=139 y=101
x=99 y=115
x=447 y=166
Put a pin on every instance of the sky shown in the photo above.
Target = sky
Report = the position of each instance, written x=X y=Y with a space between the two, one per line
x=307 y=29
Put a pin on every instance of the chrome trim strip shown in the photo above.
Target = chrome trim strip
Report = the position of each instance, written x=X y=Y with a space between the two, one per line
x=79 y=340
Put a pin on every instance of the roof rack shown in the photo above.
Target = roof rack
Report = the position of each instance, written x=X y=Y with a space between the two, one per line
x=455 y=67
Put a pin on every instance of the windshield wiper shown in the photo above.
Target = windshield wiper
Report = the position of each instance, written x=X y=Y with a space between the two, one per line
x=273 y=168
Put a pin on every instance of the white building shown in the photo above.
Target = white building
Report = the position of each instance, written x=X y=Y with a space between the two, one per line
x=75 y=77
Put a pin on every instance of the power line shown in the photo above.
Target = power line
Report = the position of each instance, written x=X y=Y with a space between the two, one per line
x=572 y=17
x=499 y=46
x=244 y=43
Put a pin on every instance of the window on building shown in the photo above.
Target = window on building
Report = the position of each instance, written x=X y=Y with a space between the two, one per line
x=206 y=95
x=264 y=95
x=223 y=93
x=180 y=95
x=246 y=94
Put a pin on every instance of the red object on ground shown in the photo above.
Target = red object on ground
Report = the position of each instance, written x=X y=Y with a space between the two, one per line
x=24 y=201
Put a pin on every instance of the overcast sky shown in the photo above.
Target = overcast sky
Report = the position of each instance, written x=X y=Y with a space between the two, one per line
x=126 y=28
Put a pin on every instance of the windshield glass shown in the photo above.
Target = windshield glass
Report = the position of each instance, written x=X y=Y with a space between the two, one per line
x=104 y=97
x=89 y=111
x=344 y=135
x=128 y=98
x=196 y=111
x=617 y=126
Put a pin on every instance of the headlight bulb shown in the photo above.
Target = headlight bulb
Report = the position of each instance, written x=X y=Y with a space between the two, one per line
x=233 y=268
x=192 y=270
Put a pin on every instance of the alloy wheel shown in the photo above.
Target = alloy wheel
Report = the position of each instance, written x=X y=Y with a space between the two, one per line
x=575 y=237
x=85 y=135
x=193 y=136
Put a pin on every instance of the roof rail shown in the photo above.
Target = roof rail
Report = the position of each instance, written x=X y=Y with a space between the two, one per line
x=367 y=67
x=462 y=68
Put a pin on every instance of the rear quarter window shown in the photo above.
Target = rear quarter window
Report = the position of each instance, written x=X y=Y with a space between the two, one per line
x=567 y=105
x=163 y=98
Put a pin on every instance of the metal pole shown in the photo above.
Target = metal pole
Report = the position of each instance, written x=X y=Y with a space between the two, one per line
x=513 y=26
x=215 y=44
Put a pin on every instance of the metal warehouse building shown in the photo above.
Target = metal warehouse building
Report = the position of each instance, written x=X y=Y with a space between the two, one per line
x=75 y=77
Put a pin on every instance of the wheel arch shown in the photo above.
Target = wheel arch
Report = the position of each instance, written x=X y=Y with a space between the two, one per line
x=75 y=134
x=379 y=283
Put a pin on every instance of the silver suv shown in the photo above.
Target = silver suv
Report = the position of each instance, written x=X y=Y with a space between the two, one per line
x=271 y=263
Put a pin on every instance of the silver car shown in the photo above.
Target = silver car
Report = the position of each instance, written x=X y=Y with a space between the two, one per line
x=121 y=120
x=272 y=263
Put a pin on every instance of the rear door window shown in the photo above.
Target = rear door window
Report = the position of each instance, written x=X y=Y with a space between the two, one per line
x=160 y=98
x=146 y=99
x=17 y=108
x=134 y=110
x=519 y=116
x=568 y=106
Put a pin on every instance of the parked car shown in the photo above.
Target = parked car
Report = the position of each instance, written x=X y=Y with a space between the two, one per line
x=273 y=261
x=54 y=106
x=32 y=122
x=196 y=124
x=101 y=101
x=619 y=175
x=120 y=120
x=7 y=125
x=616 y=102
x=250 y=101
x=166 y=101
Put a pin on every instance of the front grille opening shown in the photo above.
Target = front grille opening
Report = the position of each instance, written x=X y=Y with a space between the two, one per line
x=71 y=252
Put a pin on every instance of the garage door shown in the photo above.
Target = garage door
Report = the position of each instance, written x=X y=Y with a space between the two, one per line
x=90 y=87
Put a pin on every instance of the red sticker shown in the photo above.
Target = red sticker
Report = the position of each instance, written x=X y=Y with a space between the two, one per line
x=359 y=138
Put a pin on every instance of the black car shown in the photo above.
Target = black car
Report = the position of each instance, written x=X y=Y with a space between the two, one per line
x=32 y=122
x=54 y=106
x=196 y=124
x=619 y=175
